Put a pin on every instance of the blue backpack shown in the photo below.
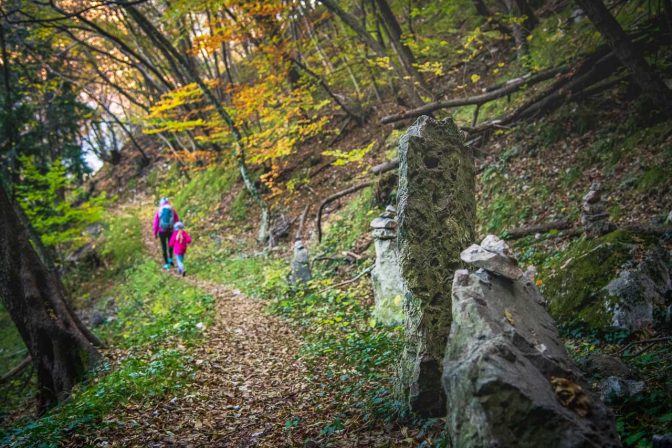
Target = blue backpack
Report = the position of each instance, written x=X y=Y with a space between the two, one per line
x=166 y=218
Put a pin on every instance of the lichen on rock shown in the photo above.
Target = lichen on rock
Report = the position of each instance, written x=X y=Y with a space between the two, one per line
x=436 y=216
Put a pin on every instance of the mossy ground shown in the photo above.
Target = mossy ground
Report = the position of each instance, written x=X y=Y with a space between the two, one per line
x=573 y=281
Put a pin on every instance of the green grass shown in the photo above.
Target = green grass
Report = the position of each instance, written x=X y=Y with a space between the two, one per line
x=198 y=198
x=12 y=349
x=157 y=320
x=122 y=241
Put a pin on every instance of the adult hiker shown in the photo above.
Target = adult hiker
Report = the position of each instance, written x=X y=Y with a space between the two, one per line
x=164 y=220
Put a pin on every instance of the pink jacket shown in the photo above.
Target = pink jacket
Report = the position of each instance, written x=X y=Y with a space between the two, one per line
x=156 y=220
x=179 y=244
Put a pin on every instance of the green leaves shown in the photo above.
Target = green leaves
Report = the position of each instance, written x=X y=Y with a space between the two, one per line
x=53 y=205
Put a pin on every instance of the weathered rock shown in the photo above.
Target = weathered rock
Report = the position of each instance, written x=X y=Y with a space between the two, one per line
x=633 y=295
x=390 y=212
x=388 y=291
x=383 y=223
x=508 y=380
x=614 y=389
x=491 y=243
x=599 y=365
x=491 y=261
x=600 y=283
x=662 y=441
x=300 y=263
x=632 y=301
x=436 y=214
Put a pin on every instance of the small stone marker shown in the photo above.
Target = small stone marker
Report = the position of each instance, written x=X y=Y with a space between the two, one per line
x=388 y=290
x=594 y=214
x=436 y=215
x=300 y=263
x=492 y=255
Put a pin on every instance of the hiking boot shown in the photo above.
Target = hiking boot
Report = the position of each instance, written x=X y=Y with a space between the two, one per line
x=166 y=266
x=170 y=262
x=184 y=273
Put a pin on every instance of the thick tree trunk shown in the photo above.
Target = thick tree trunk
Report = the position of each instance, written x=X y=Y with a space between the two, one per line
x=650 y=83
x=60 y=350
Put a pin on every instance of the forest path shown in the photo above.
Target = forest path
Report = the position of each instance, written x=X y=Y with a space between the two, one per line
x=249 y=381
x=250 y=388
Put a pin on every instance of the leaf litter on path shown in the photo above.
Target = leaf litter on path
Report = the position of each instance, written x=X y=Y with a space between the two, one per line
x=250 y=389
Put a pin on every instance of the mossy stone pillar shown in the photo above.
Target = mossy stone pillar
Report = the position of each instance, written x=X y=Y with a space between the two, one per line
x=436 y=214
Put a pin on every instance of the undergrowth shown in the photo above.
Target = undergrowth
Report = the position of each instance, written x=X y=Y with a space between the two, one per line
x=341 y=340
x=154 y=320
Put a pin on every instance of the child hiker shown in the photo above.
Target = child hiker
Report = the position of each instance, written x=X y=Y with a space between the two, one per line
x=164 y=220
x=179 y=241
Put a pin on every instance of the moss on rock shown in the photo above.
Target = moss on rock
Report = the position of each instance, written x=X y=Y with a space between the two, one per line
x=574 y=287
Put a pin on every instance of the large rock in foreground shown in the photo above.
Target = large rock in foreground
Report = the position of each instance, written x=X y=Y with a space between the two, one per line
x=507 y=377
x=436 y=214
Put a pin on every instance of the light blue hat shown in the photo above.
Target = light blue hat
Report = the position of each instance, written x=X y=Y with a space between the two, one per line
x=178 y=225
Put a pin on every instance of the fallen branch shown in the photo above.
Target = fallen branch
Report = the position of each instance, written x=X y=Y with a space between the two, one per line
x=565 y=89
x=645 y=341
x=385 y=166
x=16 y=370
x=332 y=258
x=647 y=229
x=341 y=132
x=520 y=232
x=347 y=282
x=569 y=230
x=333 y=197
x=491 y=94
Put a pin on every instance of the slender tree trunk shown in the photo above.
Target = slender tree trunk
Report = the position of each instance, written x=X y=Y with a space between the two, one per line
x=365 y=37
x=393 y=30
x=186 y=71
x=60 y=351
x=518 y=30
x=650 y=83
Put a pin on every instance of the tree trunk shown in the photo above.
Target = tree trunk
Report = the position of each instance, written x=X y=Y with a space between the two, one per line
x=180 y=64
x=365 y=37
x=404 y=53
x=650 y=83
x=60 y=350
x=520 y=31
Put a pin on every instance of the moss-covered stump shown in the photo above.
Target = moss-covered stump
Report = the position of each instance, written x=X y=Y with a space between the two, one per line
x=436 y=216
x=601 y=284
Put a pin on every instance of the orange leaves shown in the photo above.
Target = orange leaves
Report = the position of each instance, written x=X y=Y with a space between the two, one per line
x=195 y=159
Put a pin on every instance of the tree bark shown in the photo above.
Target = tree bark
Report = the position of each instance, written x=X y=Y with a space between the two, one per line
x=650 y=83
x=365 y=37
x=60 y=351
x=404 y=53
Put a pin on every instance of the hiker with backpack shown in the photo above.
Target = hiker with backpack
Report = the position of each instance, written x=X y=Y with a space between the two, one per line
x=164 y=220
x=179 y=242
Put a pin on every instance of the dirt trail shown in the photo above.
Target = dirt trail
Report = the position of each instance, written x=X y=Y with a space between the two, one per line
x=249 y=382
